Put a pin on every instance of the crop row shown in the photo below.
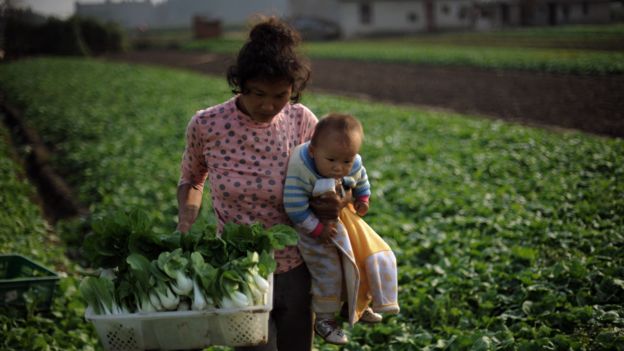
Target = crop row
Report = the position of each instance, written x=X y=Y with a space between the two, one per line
x=506 y=237
x=589 y=37
x=24 y=231
x=558 y=50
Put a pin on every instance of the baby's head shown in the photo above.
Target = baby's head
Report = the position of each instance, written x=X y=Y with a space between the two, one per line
x=335 y=143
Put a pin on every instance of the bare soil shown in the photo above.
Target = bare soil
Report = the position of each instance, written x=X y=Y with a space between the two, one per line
x=593 y=104
x=55 y=196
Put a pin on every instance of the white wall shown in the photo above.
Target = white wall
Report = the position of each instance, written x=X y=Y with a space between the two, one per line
x=326 y=9
x=399 y=16
x=239 y=11
x=176 y=13
x=491 y=16
x=448 y=13
x=350 y=21
x=386 y=17
x=598 y=12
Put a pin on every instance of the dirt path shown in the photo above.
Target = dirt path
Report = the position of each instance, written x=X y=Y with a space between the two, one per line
x=593 y=104
x=55 y=196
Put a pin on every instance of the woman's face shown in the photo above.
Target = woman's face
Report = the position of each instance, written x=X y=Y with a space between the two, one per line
x=263 y=100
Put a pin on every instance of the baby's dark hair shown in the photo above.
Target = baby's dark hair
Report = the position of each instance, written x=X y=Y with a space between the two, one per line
x=269 y=54
x=343 y=123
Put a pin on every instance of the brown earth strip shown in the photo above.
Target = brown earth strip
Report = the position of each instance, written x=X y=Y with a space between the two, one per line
x=593 y=104
x=57 y=199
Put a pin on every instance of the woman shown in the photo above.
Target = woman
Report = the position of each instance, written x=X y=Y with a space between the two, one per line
x=243 y=146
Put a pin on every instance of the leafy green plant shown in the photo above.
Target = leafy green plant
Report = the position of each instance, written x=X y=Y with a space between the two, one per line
x=198 y=270
x=24 y=231
x=506 y=237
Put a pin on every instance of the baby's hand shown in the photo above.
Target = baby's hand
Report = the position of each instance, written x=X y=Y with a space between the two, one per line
x=361 y=207
x=329 y=231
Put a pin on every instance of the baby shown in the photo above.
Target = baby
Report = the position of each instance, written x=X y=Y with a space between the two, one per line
x=330 y=163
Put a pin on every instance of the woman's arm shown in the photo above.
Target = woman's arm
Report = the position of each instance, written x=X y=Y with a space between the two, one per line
x=189 y=202
x=193 y=175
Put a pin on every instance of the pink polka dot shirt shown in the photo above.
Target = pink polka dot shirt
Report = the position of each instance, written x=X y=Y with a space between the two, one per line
x=245 y=162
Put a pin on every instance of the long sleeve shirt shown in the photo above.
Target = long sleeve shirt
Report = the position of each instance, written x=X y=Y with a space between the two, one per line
x=245 y=163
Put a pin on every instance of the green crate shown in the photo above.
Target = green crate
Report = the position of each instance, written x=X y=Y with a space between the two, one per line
x=19 y=276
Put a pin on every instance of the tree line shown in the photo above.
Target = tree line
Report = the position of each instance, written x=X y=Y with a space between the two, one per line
x=25 y=33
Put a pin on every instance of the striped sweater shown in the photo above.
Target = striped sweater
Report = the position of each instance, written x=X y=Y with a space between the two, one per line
x=301 y=178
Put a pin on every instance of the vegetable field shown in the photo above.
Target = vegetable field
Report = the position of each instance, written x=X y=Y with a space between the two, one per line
x=507 y=237
x=23 y=231
x=572 y=49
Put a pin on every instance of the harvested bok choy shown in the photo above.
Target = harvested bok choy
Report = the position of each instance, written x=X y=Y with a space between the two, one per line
x=174 y=264
x=199 y=270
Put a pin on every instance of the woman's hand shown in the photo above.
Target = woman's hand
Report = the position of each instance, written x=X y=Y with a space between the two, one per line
x=328 y=205
x=186 y=217
x=189 y=202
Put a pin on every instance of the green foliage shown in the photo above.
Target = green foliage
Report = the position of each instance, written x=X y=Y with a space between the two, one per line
x=506 y=237
x=501 y=231
x=24 y=231
x=112 y=146
x=548 y=60
x=116 y=235
x=217 y=45
x=22 y=228
x=243 y=238
x=24 y=36
x=64 y=328
x=140 y=263
x=565 y=49
x=563 y=36
x=99 y=37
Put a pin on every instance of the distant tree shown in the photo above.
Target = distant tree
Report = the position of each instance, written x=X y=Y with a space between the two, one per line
x=10 y=4
x=24 y=33
x=6 y=7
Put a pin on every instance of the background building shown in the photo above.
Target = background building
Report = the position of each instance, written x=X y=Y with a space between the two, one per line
x=179 y=13
x=358 y=17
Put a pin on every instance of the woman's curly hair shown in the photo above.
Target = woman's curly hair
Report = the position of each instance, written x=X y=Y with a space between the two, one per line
x=269 y=54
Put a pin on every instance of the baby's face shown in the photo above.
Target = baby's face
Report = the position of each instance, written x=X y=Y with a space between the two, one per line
x=334 y=156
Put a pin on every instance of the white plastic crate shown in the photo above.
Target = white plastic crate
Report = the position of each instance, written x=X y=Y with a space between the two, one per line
x=174 y=330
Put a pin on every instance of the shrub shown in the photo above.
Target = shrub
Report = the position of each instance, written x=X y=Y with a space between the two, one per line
x=75 y=36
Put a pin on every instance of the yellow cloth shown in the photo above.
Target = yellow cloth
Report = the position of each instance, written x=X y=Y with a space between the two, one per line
x=364 y=242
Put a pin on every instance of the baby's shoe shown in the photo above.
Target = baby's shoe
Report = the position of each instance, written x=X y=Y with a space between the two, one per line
x=368 y=316
x=329 y=330
x=388 y=309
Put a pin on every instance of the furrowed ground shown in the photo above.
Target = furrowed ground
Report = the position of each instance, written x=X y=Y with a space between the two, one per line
x=564 y=77
x=507 y=237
